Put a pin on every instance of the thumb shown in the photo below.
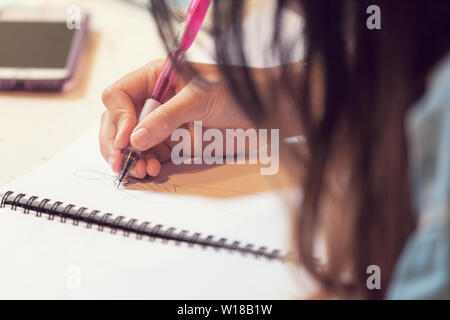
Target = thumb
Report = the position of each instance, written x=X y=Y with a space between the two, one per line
x=185 y=106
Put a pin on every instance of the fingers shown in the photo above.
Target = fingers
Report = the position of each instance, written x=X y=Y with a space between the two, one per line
x=153 y=166
x=122 y=114
x=155 y=157
x=114 y=156
x=125 y=98
x=139 y=170
x=187 y=105
x=150 y=163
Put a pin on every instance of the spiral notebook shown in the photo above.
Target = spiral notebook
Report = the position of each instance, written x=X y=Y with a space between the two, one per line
x=228 y=207
x=225 y=220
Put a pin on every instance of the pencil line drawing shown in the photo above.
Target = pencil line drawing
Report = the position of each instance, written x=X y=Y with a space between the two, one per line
x=133 y=184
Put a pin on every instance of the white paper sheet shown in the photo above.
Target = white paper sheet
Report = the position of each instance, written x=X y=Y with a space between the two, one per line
x=205 y=199
x=41 y=257
x=44 y=259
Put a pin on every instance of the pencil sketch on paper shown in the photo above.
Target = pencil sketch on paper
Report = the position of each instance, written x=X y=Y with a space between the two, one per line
x=160 y=184
x=211 y=181
x=129 y=184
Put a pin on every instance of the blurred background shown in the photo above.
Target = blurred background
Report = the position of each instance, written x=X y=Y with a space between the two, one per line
x=35 y=126
x=122 y=36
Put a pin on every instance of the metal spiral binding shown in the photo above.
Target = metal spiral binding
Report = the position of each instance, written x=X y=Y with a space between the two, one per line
x=17 y=199
x=41 y=207
x=116 y=224
x=66 y=211
x=103 y=220
x=141 y=230
x=128 y=227
x=78 y=215
x=29 y=203
x=119 y=223
x=54 y=208
x=91 y=218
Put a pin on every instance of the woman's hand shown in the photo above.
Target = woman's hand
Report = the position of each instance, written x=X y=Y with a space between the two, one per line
x=189 y=102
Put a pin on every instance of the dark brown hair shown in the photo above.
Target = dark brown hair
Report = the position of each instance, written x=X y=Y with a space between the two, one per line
x=356 y=190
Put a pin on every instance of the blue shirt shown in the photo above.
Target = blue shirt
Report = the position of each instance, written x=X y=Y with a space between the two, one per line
x=423 y=271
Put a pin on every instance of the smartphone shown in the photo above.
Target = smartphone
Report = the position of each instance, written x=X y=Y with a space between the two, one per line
x=40 y=46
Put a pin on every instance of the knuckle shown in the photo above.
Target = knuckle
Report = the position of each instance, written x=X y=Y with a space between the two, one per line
x=119 y=114
x=116 y=116
x=200 y=106
x=153 y=68
x=107 y=94
x=194 y=89
x=122 y=116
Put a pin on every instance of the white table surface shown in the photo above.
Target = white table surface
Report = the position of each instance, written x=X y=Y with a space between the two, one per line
x=36 y=126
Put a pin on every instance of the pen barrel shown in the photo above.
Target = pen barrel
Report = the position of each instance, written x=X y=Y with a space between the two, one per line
x=167 y=76
x=149 y=105
x=162 y=86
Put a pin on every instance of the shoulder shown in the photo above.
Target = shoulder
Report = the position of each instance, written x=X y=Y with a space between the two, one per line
x=423 y=270
x=428 y=125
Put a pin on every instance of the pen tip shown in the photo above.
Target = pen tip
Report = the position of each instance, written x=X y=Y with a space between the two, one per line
x=117 y=182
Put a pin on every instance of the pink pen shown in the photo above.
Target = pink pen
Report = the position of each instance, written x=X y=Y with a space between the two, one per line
x=191 y=26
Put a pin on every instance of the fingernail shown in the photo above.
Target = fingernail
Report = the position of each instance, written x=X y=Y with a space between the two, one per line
x=133 y=172
x=141 y=138
x=116 y=141
x=118 y=136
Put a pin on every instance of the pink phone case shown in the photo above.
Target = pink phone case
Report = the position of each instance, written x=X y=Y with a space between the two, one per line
x=56 y=84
